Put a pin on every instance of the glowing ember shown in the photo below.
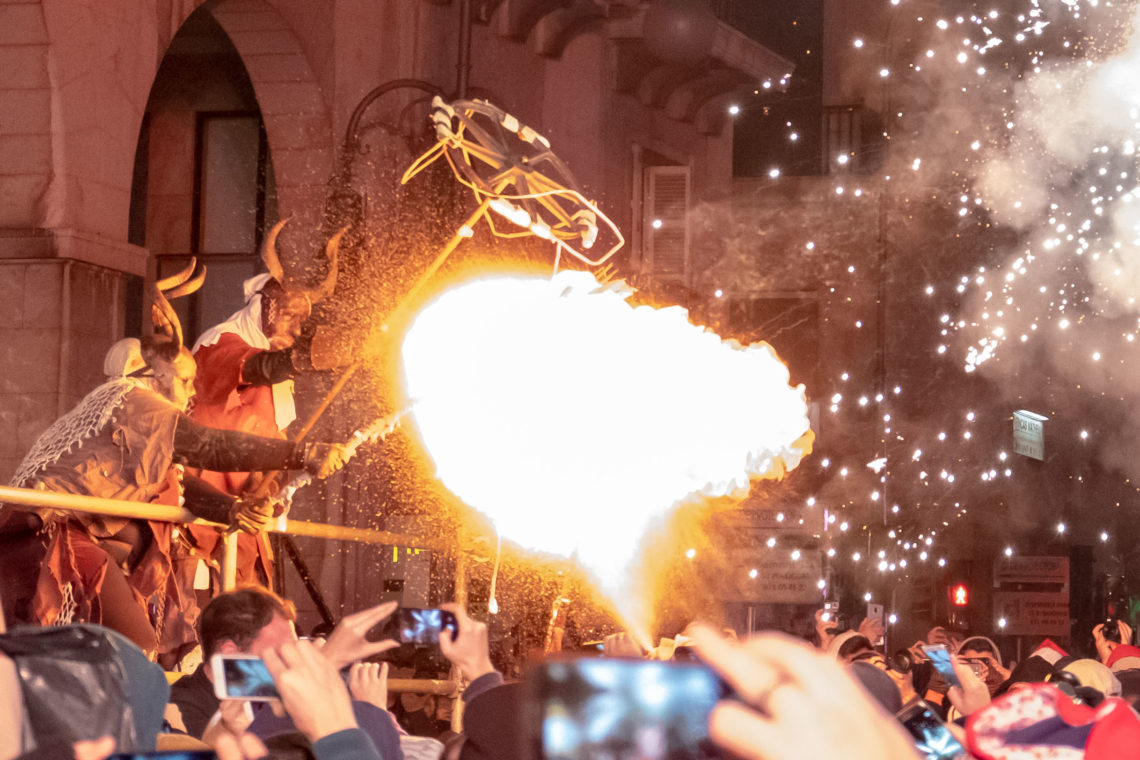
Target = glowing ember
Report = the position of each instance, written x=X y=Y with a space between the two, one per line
x=573 y=419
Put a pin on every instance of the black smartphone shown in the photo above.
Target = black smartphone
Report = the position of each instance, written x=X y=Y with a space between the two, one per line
x=193 y=754
x=940 y=658
x=932 y=737
x=602 y=709
x=242 y=676
x=411 y=625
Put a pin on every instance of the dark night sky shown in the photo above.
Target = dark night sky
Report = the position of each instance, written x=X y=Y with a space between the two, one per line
x=794 y=29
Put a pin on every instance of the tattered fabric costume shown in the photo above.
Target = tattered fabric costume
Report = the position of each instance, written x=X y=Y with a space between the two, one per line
x=118 y=443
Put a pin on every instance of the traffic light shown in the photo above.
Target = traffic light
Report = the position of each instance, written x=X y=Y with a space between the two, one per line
x=959 y=597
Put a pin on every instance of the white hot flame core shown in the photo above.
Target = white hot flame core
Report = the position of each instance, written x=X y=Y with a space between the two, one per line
x=573 y=419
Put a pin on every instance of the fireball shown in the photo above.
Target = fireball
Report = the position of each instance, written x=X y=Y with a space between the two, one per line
x=573 y=420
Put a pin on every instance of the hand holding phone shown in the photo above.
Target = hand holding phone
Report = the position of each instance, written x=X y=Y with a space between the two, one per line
x=939 y=657
x=468 y=647
x=932 y=736
x=590 y=708
x=242 y=676
x=411 y=625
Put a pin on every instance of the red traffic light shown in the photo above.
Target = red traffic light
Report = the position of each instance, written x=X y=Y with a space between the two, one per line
x=959 y=595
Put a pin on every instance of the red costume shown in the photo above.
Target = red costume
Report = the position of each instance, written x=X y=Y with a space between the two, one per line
x=224 y=401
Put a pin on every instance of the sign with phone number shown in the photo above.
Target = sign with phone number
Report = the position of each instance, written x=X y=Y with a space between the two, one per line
x=778 y=580
x=1033 y=613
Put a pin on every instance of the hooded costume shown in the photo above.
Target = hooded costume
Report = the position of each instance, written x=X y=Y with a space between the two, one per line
x=124 y=440
x=243 y=384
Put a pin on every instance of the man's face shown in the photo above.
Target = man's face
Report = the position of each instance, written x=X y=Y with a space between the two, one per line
x=284 y=318
x=175 y=380
x=277 y=632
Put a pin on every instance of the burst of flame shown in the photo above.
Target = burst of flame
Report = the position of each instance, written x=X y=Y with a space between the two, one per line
x=573 y=419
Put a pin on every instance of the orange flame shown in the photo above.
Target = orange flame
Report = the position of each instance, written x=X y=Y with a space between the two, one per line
x=573 y=419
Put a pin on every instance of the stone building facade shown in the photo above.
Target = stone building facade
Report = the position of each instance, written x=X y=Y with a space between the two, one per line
x=134 y=133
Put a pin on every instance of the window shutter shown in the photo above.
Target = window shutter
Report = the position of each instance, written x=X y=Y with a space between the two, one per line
x=667 y=222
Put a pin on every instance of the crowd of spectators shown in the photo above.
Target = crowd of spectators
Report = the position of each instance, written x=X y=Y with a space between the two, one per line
x=86 y=692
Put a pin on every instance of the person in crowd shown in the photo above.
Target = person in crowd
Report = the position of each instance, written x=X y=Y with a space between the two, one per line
x=254 y=621
x=827 y=630
x=128 y=439
x=313 y=695
x=246 y=367
x=987 y=655
x=1113 y=653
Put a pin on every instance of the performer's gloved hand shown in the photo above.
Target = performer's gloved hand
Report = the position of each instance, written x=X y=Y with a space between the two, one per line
x=323 y=459
x=251 y=515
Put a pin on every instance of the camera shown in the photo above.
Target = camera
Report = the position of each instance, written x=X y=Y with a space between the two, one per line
x=1111 y=630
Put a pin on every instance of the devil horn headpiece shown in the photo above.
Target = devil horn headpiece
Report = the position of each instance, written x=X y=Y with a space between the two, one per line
x=164 y=320
x=277 y=272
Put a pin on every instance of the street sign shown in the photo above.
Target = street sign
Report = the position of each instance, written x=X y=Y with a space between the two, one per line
x=1029 y=434
x=1029 y=613
x=779 y=578
x=1011 y=571
x=1033 y=595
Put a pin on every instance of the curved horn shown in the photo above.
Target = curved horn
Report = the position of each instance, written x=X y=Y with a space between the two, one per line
x=175 y=280
x=188 y=287
x=269 y=253
x=325 y=289
x=164 y=319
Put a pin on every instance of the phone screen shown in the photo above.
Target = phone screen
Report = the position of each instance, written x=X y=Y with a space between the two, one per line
x=242 y=677
x=616 y=709
x=409 y=625
x=932 y=737
x=940 y=658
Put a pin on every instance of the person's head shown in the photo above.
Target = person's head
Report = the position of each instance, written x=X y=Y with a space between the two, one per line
x=852 y=646
x=983 y=653
x=285 y=304
x=245 y=621
x=879 y=682
x=123 y=358
x=171 y=369
x=283 y=314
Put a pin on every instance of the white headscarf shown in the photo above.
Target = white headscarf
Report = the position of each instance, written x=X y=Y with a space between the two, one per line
x=246 y=324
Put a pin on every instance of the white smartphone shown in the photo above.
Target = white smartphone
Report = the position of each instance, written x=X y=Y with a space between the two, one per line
x=875 y=612
x=242 y=676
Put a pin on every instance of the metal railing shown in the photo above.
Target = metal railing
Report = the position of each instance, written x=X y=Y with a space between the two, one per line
x=451 y=688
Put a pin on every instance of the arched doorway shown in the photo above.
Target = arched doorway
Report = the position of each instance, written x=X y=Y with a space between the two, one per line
x=203 y=181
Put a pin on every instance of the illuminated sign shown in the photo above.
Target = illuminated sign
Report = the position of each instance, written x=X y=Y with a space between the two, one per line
x=1029 y=434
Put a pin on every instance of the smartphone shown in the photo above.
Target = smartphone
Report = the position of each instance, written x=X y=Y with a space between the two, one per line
x=600 y=709
x=932 y=736
x=410 y=625
x=875 y=612
x=978 y=666
x=242 y=676
x=939 y=657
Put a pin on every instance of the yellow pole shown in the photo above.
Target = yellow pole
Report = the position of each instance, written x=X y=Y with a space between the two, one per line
x=142 y=511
